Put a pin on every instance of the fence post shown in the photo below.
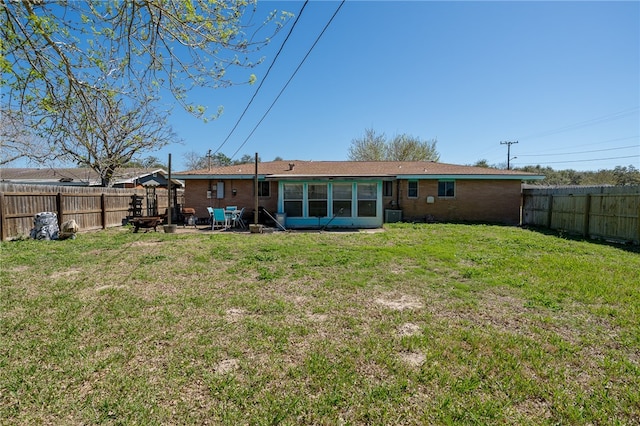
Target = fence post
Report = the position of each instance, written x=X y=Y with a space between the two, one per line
x=587 y=212
x=60 y=206
x=3 y=219
x=103 y=208
x=550 y=211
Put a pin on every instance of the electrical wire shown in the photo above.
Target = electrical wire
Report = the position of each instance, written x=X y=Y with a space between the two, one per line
x=263 y=79
x=581 y=152
x=290 y=78
x=597 y=120
x=588 y=160
x=583 y=145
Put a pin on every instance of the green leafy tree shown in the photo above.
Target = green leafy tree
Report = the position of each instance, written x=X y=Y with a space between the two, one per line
x=620 y=175
x=371 y=147
x=626 y=175
x=376 y=147
x=482 y=163
x=246 y=159
x=409 y=148
x=57 y=56
x=52 y=51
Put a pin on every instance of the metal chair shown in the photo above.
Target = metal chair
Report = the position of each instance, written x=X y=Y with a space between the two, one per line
x=237 y=219
x=210 y=210
x=219 y=218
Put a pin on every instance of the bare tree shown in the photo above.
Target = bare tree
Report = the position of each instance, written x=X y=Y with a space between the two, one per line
x=108 y=135
x=195 y=161
x=17 y=141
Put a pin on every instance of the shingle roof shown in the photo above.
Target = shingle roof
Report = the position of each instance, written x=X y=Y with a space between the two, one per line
x=79 y=175
x=300 y=169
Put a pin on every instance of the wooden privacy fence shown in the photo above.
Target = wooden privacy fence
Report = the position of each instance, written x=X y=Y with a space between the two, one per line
x=611 y=213
x=90 y=207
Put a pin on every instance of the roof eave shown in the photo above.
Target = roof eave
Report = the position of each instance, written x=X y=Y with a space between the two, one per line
x=219 y=177
x=473 y=177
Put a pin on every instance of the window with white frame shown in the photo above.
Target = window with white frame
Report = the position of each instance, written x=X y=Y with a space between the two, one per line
x=293 y=197
x=446 y=189
x=317 y=199
x=412 y=189
x=367 y=199
x=342 y=196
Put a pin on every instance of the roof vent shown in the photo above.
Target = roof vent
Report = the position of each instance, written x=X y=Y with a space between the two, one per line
x=291 y=166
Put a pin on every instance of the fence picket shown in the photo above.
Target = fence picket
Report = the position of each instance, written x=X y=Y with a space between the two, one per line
x=595 y=212
x=90 y=207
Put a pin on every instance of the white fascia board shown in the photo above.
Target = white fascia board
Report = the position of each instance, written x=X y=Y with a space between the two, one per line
x=473 y=177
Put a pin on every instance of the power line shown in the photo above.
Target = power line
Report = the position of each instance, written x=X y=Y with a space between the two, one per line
x=493 y=150
x=263 y=79
x=597 y=120
x=290 y=78
x=583 y=145
x=580 y=152
x=589 y=160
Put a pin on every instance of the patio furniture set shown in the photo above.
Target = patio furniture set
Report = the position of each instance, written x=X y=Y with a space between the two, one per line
x=226 y=218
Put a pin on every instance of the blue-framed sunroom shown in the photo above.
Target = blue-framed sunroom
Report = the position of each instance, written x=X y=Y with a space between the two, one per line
x=331 y=203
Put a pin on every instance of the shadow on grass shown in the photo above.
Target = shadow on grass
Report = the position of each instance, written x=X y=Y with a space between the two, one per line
x=561 y=233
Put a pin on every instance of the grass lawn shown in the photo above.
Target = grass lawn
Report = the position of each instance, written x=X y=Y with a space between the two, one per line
x=418 y=324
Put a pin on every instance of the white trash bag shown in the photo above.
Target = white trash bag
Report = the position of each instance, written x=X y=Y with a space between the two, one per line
x=45 y=226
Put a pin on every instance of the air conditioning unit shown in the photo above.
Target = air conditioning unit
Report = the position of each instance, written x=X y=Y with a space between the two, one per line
x=391 y=216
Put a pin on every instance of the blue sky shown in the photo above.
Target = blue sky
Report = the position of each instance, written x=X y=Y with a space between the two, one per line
x=561 y=78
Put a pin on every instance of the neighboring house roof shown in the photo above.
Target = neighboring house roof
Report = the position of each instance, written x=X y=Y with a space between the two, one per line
x=75 y=176
x=296 y=169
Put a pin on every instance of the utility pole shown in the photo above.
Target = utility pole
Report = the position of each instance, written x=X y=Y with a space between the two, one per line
x=209 y=159
x=508 y=144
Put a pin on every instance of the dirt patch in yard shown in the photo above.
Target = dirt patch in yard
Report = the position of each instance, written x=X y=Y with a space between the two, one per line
x=400 y=303
x=227 y=366
x=234 y=314
x=144 y=244
x=408 y=329
x=414 y=359
x=65 y=274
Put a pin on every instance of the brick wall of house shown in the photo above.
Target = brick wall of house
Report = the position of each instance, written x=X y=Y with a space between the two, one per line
x=495 y=201
x=196 y=196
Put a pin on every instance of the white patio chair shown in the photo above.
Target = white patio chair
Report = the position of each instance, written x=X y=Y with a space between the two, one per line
x=237 y=219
